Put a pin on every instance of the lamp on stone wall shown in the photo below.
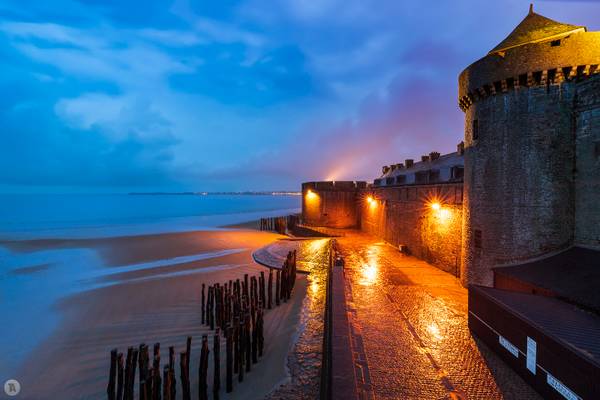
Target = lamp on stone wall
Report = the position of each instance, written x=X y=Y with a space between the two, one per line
x=371 y=201
x=310 y=195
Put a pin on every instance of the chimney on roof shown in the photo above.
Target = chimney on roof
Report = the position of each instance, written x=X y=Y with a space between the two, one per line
x=399 y=166
x=409 y=162
x=434 y=155
x=424 y=158
x=393 y=167
x=460 y=148
x=385 y=169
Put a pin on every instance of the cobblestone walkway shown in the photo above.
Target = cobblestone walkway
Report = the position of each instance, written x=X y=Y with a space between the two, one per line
x=409 y=320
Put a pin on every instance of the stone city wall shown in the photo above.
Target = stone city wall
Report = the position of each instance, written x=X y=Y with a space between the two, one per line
x=331 y=204
x=409 y=216
x=400 y=215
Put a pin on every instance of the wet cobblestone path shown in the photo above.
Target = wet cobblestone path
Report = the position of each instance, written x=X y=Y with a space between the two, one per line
x=409 y=319
x=304 y=361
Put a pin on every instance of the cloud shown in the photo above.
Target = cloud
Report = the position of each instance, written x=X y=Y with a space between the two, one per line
x=237 y=95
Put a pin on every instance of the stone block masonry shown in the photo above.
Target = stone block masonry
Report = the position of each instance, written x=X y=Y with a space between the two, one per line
x=427 y=219
x=331 y=204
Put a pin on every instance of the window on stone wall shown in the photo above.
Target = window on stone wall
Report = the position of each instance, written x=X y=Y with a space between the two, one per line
x=475 y=129
x=555 y=43
x=434 y=176
x=477 y=242
x=537 y=77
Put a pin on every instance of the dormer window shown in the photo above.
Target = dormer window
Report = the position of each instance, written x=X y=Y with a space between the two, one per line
x=458 y=172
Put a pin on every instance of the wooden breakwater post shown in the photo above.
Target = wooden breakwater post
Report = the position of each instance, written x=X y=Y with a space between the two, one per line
x=270 y=289
x=129 y=388
x=240 y=352
x=260 y=335
x=263 y=292
x=247 y=342
x=217 y=365
x=156 y=381
x=185 y=380
x=120 y=378
x=229 y=360
x=166 y=383
x=277 y=287
x=110 y=390
x=236 y=343
x=254 y=338
x=142 y=371
x=203 y=370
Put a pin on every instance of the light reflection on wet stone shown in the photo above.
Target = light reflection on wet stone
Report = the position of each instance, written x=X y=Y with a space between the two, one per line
x=304 y=361
x=413 y=322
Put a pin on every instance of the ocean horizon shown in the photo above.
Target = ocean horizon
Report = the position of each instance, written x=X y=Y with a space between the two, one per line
x=54 y=216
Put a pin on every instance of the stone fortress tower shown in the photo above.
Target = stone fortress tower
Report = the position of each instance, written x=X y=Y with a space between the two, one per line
x=532 y=147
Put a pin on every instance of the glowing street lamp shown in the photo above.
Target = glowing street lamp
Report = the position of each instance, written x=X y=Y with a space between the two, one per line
x=436 y=206
x=371 y=201
x=310 y=195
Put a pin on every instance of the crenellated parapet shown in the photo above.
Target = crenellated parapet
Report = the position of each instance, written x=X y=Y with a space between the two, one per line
x=547 y=62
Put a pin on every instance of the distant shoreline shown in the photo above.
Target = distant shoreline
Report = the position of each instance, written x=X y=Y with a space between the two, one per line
x=272 y=193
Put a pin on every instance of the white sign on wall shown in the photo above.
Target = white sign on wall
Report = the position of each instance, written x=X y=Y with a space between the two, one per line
x=509 y=346
x=561 y=388
x=531 y=354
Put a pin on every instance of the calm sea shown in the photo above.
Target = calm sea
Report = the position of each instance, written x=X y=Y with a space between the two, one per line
x=27 y=216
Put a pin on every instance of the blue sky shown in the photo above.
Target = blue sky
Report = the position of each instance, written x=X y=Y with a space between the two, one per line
x=113 y=96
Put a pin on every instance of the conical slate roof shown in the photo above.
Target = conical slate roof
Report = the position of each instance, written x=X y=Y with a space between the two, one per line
x=535 y=28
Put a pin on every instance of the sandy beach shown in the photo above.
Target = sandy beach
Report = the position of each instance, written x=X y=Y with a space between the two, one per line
x=130 y=290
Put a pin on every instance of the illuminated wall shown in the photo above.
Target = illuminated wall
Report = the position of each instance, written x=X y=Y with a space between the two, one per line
x=425 y=218
x=330 y=204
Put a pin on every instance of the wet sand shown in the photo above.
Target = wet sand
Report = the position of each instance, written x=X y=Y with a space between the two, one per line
x=155 y=304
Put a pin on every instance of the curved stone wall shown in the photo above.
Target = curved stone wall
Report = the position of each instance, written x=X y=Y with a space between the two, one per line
x=587 y=188
x=518 y=182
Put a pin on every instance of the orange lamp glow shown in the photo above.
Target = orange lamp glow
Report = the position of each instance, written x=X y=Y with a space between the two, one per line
x=310 y=195
x=436 y=206
x=371 y=201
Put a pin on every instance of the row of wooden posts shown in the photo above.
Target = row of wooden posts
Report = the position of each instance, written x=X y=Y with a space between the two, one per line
x=235 y=310
x=279 y=224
